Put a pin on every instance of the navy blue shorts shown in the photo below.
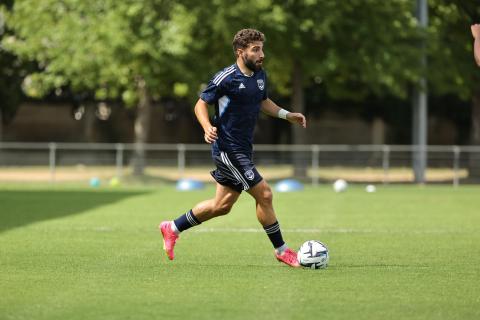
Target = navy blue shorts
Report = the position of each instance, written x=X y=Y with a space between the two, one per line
x=235 y=170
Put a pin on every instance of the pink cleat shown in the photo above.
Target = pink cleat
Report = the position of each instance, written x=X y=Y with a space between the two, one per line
x=288 y=257
x=169 y=238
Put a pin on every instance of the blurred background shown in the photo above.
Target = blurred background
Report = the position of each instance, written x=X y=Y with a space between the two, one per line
x=105 y=89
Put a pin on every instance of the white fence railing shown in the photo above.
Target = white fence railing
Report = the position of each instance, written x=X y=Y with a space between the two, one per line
x=377 y=163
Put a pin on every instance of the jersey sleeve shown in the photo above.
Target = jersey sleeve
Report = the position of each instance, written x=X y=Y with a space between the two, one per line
x=212 y=92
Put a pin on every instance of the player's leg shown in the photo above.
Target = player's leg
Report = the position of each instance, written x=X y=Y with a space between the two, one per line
x=266 y=216
x=225 y=198
x=221 y=204
x=262 y=193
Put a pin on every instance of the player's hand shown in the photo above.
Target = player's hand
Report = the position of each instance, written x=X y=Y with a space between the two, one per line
x=475 y=30
x=211 y=135
x=297 y=118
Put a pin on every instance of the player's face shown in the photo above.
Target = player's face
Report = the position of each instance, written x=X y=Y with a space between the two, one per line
x=253 y=56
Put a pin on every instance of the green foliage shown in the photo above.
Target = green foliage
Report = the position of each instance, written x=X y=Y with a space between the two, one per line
x=353 y=49
x=99 y=46
x=452 y=69
x=10 y=80
x=357 y=47
x=180 y=89
x=11 y=70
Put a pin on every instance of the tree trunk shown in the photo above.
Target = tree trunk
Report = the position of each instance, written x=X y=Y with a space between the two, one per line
x=142 y=128
x=90 y=119
x=1 y=126
x=300 y=159
x=474 y=158
x=377 y=138
x=378 y=131
x=1 y=136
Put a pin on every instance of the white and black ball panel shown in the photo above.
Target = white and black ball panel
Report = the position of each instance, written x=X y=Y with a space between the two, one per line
x=313 y=254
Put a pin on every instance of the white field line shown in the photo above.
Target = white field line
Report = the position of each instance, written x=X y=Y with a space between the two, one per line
x=333 y=230
x=287 y=230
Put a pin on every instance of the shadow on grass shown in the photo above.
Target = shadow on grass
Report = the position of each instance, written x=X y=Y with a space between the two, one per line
x=22 y=207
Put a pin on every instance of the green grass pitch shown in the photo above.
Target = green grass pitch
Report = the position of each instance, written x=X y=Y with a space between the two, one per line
x=404 y=252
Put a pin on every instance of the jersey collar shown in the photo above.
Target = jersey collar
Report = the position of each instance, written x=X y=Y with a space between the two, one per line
x=239 y=72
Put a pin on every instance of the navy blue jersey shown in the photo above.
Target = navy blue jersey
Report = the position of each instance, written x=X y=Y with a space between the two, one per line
x=237 y=99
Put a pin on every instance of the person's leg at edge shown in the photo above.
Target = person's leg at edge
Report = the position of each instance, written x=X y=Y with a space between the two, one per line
x=267 y=218
x=221 y=204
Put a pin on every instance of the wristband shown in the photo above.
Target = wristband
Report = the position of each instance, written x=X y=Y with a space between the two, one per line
x=282 y=114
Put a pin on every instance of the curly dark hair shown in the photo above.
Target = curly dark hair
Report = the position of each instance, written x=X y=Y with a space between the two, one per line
x=246 y=36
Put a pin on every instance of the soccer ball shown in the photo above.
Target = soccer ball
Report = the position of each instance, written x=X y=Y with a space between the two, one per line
x=313 y=254
x=340 y=185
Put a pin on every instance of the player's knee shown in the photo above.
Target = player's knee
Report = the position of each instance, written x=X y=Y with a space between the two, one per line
x=266 y=196
x=222 y=209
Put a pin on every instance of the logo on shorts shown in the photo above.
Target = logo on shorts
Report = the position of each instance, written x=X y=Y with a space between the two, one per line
x=249 y=174
x=261 y=84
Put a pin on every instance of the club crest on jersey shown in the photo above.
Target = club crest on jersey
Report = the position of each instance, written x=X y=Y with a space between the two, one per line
x=249 y=174
x=261 y=84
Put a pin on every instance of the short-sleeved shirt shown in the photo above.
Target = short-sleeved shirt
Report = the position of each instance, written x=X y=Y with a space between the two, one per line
x=237 y=99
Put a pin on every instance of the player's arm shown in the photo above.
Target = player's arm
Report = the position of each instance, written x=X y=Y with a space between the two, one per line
x=476 y=44
x=201 y=111
x=270 y=108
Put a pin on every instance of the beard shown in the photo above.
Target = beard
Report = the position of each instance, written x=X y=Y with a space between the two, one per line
x=250 y=64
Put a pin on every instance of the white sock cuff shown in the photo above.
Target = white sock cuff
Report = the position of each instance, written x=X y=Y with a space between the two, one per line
x=280 y=250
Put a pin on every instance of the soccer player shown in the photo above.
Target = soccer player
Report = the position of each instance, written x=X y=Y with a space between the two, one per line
x=476 y=44
x=239 y=93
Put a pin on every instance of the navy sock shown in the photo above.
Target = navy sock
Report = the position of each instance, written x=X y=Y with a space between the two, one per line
x=186 y=221
x=275 y=235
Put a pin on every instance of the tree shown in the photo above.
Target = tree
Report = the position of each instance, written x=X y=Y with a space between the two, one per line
x=116 y=49
x=452 y=68
x=354 y=48
x=11 y=70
